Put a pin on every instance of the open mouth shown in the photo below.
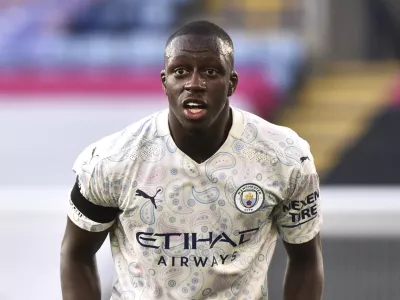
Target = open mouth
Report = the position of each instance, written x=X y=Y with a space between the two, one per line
x=195 y=109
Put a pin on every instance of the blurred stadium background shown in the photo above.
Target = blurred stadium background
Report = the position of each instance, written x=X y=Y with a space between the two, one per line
x=74 y=71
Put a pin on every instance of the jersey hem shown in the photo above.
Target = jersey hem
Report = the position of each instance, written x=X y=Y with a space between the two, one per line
x=304 y=239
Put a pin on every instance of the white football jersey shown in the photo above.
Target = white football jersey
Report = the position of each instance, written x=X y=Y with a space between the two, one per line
x=189 y=230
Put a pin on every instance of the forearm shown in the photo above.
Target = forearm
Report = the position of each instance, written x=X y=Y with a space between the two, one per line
x=79 y=278
x=304 y=281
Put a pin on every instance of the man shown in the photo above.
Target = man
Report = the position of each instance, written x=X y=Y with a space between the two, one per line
x=194 y=196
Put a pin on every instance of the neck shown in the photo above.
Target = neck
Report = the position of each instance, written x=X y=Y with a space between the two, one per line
x=202 y=144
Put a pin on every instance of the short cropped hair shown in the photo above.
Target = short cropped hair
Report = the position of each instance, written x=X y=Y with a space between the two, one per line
x=202 y=28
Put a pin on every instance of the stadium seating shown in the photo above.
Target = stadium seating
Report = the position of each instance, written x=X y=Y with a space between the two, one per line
x=373 y=158
x=336 y=107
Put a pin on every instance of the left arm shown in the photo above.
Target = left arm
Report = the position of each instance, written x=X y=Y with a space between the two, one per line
x=299 y=219
x=304 y=278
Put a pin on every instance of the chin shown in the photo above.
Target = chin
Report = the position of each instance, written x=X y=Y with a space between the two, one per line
x=195 y=127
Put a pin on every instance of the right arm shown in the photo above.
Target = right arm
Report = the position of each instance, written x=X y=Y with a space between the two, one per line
x=92 y=211
x=79 y=276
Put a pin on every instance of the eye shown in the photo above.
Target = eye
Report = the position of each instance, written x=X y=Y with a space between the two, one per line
x=180 y=71
x=211 y=72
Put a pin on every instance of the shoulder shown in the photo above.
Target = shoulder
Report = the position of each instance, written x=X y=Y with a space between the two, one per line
x=256 y=129
x=282 y=144
x=117 y=146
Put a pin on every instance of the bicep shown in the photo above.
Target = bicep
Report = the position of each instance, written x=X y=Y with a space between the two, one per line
x=80 y=242
x=305 y=252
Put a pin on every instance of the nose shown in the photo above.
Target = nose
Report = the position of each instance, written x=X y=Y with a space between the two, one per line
x=195 y=83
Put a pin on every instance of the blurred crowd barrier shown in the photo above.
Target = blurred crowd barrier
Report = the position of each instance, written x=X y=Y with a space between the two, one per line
x=360 y=243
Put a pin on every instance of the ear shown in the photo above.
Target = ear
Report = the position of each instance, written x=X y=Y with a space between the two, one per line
x=233 y=82
x=163 y=80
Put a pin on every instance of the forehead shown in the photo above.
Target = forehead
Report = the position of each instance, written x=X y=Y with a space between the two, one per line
x=197 y=45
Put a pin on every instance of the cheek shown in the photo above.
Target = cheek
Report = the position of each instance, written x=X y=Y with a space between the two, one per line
x=171 y=80
x=220 y=89
x=172 y=85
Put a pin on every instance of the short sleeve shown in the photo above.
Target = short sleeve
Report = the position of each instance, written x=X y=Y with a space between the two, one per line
x=299 y=217
x=92 y=206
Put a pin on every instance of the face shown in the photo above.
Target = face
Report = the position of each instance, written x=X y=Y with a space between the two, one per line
x=198 y=79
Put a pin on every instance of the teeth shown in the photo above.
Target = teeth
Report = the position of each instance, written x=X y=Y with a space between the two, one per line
x=194 y=107
x=193 y=104
x=195 y=110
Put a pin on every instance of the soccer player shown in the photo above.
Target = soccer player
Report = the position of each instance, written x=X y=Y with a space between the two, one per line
x=195 y=196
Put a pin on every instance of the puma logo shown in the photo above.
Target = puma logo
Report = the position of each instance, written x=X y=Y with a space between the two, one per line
x=144 y=195
x=304 y=158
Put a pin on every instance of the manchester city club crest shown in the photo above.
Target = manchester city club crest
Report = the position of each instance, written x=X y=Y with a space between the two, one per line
x=249 y=198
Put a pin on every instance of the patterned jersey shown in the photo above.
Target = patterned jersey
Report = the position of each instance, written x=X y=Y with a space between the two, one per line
x=188 y=230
